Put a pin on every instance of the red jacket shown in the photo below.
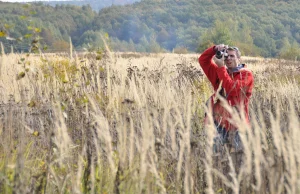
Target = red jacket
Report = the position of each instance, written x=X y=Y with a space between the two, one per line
x=236 y=88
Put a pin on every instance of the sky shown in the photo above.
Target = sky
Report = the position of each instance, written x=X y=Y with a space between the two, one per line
x=28 y=0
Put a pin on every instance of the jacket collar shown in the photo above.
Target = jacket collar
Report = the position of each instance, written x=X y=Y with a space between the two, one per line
x=238 y=68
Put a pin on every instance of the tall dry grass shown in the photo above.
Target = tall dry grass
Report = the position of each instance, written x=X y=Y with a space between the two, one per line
x=133 y=123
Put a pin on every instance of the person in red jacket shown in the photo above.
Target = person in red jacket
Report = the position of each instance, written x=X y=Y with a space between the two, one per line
x=232 y=81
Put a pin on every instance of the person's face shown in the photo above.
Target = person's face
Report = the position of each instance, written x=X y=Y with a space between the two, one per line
x=232 y=60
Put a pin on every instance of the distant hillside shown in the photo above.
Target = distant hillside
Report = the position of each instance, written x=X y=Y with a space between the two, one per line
x=268 y=28
x=95 y=4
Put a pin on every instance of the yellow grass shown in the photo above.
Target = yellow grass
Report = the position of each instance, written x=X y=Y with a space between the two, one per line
x=133 y=123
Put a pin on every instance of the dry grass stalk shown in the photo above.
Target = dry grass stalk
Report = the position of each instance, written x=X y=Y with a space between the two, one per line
x=134 y=124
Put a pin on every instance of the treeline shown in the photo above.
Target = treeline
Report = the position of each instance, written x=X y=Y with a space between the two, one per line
x=95 y=4
x=24 y=25
x=269 y=28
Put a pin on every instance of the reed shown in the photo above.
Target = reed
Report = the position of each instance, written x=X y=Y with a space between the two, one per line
x=127 y=124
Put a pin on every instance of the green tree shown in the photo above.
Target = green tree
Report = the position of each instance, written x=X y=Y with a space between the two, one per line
x=162 y=36
x=206 y=43
x=218 y=34
x=221 y=33
x=290 y=51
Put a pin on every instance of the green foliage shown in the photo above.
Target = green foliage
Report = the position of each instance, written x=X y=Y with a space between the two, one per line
x=290 y=52
x=21 y=75
x=221 y=33
x=42 y=26
x=254 y=27
x=206 y=43
x=258 y=28
x=29 y=33
x=91 y=40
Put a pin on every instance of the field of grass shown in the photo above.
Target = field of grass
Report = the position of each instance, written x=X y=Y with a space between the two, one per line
x=133 y=123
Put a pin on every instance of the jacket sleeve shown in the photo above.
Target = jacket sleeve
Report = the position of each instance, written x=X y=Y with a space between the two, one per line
x=209 y=67
x=242 y=84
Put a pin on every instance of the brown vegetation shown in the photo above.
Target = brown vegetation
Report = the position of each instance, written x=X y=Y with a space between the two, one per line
x=125 y=123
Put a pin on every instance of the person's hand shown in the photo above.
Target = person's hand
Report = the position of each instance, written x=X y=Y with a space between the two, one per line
x=219 y=62
x=220 y=47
